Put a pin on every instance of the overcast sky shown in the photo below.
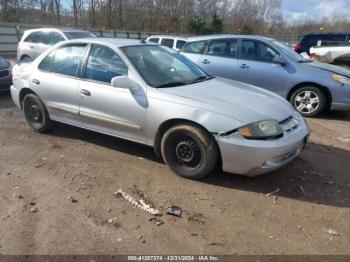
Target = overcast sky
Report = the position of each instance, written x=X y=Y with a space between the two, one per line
x=315 y=8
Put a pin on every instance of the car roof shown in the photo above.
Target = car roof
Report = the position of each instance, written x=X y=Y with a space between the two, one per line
x=168 y=36
x=55 y=29
x=227 y=36
x=118 y=42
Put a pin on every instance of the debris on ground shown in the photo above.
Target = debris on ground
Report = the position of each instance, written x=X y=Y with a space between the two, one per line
x=332 y=232
x=197 y=218
x=34 y=210
x=8 y=174
x=19 y=196
x=113 y=221
x=273 y=192
x=301 y=188
x=72 y=199
x=32 y=203
x=141 y=204
x=275 y=200
x=174 y=210
x=157 y=221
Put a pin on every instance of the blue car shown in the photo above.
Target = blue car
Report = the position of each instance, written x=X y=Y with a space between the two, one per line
x=310 y=87
x=5 y=75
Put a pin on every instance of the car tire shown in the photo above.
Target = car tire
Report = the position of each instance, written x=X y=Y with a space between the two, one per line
x=36 y=113
x=25 y=58
x=309 y=101
x=189 y=151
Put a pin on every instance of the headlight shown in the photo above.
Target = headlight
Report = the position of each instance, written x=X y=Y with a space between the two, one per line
x=261 y=130
x=341 y=79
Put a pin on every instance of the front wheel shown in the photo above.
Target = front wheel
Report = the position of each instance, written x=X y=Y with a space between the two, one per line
x=189 y=151
x=36 y=113
x=309 y=101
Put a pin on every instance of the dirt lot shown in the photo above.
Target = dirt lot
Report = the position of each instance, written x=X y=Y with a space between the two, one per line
x=224 y=214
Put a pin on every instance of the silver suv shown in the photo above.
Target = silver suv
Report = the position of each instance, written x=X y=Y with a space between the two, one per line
x=35 y=41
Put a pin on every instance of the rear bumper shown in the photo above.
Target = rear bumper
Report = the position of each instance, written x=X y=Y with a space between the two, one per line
x=252 y=158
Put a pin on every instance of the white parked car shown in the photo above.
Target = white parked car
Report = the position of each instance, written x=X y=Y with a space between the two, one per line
x=35 y=41
x=330 y=54
x=173 y=42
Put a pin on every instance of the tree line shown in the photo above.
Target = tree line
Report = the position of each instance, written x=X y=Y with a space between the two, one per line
x=169 y=16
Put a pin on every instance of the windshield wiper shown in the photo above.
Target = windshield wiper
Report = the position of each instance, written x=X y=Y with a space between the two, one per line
x=202 y=78
x=172 y=84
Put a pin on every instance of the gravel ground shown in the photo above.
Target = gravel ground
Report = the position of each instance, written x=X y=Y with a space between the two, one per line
x=57 y=197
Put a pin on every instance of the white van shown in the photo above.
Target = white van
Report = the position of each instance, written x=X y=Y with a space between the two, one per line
x=173 y=42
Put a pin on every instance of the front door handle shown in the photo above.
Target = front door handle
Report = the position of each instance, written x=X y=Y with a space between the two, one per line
x=85 y=92
x=206 y=61
x=36 y=81
x=244 y=66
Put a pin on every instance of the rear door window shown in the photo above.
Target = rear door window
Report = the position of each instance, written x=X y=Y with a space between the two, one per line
x=104 y=64
x=154 y=40
x=45 y=64
x=180 y=44
x=168 y=42
x=195 y=47
x=223 y=47
x=53 y=38
x=68 y=59
x=30 y=38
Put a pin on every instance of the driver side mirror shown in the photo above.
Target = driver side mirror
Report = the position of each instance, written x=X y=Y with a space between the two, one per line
x=124 y=82
x=280 y=60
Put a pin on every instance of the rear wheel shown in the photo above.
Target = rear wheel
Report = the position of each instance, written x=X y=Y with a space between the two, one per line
x=309 y=101
x=189 y=151
x=36 y=113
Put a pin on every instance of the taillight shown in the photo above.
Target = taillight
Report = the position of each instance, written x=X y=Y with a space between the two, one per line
x=312 y=56
x=297 y=47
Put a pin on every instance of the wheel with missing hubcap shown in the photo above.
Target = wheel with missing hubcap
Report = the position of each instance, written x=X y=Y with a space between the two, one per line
x=189 y=151
x=36 y=113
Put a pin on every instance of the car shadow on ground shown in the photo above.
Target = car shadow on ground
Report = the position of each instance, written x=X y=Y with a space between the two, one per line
x=320 y=175
x=336 y=115
x=5 y=100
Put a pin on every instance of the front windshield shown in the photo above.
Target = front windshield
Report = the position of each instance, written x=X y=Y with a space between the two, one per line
x=288 y=51
x=163 y=67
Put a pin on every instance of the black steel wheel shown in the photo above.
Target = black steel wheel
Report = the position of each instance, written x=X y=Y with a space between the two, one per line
x=189 y=151
x=36 y=113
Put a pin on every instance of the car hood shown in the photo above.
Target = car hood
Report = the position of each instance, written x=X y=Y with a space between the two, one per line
x=245 y=103
x=330 y=68
x=4 y=64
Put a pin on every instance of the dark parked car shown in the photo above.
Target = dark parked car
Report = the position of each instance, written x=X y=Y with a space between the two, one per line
x=327 y=39
x=5 y=74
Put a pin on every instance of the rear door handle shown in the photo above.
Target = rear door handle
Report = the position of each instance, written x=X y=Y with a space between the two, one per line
x=85 y=92
x=244 y=66
x=206 y=61
x=36 y=81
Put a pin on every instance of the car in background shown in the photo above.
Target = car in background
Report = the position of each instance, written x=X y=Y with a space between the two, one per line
x=36 y=41
x=155 y=96
x=331 y=54
x=5 y=75
x=310 y=40
x=173 y=42
x=310 y=87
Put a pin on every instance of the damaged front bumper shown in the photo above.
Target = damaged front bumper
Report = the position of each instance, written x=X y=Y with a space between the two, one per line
x=256 y=157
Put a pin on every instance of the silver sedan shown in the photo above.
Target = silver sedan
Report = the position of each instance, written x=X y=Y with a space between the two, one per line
x=155 y=96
